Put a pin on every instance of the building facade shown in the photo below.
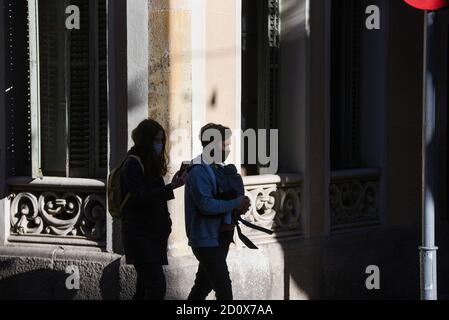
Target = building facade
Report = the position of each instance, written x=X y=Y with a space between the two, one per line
x=346 y=101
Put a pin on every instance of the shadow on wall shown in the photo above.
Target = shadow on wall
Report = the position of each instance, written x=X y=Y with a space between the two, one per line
x=48 y=284
x=135 y=99
x=39 y=284
x=110 y=288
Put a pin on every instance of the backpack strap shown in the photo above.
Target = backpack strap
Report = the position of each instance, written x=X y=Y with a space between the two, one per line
x=125 y=201
x=138 y=160
x=143 y=171
x=254 y=226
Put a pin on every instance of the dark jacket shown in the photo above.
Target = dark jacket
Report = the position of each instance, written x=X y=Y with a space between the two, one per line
x=146 y=222
x=204 y=211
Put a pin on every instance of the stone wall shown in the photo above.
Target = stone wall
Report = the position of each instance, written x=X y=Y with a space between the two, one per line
x=326 y=268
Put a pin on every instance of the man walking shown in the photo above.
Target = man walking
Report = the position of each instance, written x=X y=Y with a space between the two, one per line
x=208 y=219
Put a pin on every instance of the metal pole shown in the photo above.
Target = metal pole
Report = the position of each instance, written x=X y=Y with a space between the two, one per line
x=428 y=251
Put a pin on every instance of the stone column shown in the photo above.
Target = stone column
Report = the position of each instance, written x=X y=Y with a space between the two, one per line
x=317 y=174
x=223 y=67
x=137 y=63
x=194 y=78
x=128 y=86
x=170 y=92
x=117 y=104
x=293 y=90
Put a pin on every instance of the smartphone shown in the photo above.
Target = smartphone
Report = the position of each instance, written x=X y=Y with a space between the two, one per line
x=184 y=166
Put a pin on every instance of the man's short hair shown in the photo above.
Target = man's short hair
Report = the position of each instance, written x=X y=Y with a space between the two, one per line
x=225 y=133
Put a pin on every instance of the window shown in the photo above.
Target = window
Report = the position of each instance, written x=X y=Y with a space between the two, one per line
x=346 y=78
x=17 y=105
x=260 y=69
x=68 y=89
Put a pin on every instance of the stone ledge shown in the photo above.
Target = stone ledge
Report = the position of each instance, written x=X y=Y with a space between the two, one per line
x=356 y=173
x=57 y=183
x=43 y=239
x=283 y=179
x=57 y=253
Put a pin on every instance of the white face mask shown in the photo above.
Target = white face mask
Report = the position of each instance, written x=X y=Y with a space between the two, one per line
x=158 y=147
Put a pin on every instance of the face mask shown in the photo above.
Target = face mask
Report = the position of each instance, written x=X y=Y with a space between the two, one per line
x=158 y=147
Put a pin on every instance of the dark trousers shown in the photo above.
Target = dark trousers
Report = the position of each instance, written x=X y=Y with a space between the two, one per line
x=212 y=274
x=151 y=283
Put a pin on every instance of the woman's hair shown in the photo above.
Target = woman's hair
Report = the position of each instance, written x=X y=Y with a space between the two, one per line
x=143 y=137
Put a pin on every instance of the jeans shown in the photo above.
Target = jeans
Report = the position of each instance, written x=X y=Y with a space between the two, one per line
x=151 y=283
x=212 y=274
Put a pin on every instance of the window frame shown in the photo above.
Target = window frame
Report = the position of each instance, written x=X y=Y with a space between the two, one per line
x=36 y=163
x=93 y=170
x=268 y=30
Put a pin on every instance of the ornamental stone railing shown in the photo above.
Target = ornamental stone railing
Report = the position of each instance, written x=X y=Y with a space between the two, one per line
x=73 y=211
x=47 y=209
x=276 y=204
x=354 y=198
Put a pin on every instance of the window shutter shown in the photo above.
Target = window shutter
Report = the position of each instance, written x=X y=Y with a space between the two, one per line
x=274 y=56
x=52 y=85
x=48 y=77
x=345 y=111
x=17 y=81
x=103 y=90
x=79 y=143
x=88 y=111
x=355 y=79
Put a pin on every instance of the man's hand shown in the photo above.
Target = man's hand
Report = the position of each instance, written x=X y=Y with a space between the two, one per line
x=179 y=179
x=244 y=205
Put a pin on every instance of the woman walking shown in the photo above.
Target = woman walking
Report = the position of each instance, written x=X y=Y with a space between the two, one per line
x=146 y=223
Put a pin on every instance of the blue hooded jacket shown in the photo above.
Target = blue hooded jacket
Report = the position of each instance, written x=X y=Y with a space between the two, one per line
x=203 y=228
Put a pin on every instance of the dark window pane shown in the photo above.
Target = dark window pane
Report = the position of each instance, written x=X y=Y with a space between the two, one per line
x=80 y=95
x=53 y=89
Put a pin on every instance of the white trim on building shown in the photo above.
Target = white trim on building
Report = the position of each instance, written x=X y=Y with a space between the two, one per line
x=198 y=73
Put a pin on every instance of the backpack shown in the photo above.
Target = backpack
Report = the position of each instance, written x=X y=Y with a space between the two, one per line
x=229 y=182
x=114 y=189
